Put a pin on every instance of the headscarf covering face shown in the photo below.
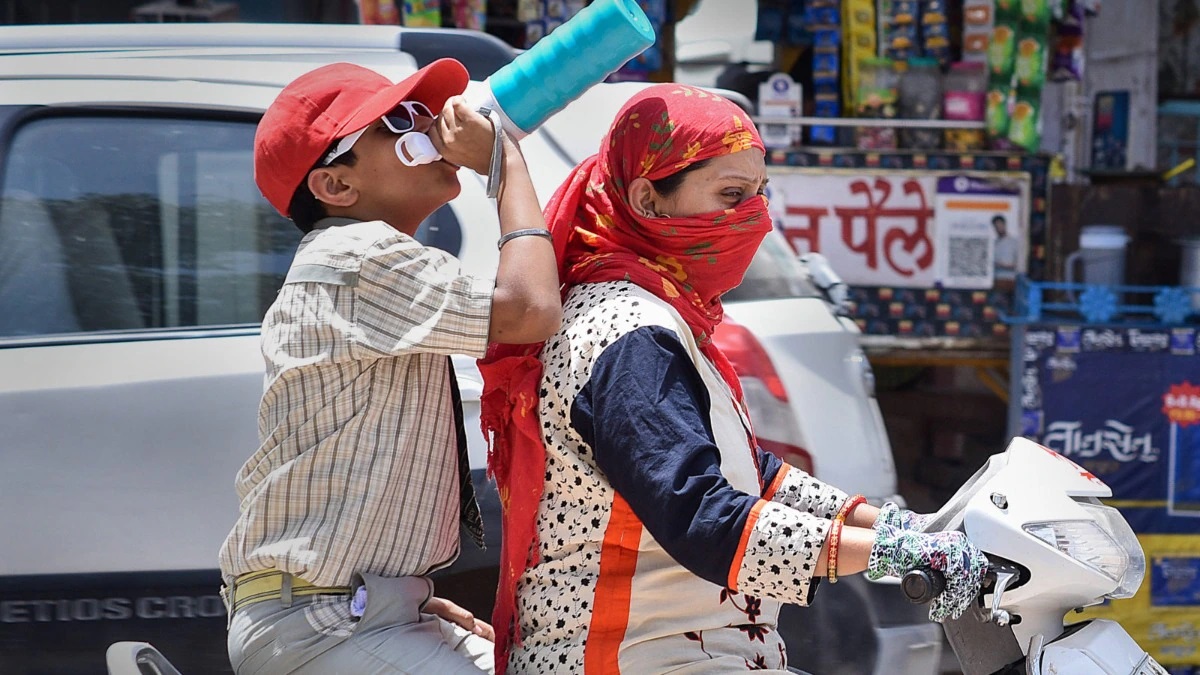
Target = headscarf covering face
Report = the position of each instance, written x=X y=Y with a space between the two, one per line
x=688 y=262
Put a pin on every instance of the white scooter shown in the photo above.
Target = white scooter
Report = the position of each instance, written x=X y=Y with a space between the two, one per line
x=1054 y=548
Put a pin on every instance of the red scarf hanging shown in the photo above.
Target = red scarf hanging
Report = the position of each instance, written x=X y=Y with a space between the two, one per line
x=687 y=262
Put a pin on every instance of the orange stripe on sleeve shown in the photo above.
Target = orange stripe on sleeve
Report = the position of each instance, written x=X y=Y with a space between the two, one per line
x=769 y=493
x=610 y=611
x=743 y=542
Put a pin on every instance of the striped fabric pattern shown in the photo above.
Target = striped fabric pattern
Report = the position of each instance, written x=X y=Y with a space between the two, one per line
x=357 y=471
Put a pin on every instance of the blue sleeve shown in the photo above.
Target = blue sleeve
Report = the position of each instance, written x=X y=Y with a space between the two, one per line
x=769 y=465
x=645 y=413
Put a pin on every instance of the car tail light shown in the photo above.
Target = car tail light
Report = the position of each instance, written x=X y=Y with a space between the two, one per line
x=748 y=357
x=797 y=457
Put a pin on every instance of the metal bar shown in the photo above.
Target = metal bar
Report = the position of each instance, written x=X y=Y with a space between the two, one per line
x=1016 y=384
x=869 y=122
x=967 y=359
x=993 y=382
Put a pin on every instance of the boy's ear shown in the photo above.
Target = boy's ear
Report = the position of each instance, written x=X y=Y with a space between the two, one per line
x=641 y=195
x=328 y=186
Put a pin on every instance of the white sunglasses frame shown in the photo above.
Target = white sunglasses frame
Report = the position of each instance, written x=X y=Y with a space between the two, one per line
x=415 y=109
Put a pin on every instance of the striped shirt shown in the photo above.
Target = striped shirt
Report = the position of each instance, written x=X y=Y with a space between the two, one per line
x=357 y=468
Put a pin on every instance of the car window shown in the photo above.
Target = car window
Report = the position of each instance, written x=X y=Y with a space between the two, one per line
x=774 y=273
x=111 y=222
x=482 y=53
x=441 y=230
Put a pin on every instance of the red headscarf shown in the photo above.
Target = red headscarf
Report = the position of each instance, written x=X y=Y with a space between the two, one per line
x=598 y=236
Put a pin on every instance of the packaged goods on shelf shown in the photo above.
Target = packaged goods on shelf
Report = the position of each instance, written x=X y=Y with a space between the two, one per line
x=919 y=97
x=858 y=19
x=876 y=98
x=824 y=21
x=964 y=100
x=422 y=13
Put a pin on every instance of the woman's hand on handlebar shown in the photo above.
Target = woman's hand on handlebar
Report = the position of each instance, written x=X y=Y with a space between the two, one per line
x=891 y=514
x=896 y=551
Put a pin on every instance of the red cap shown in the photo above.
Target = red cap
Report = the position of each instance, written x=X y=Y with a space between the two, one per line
x=328 y=103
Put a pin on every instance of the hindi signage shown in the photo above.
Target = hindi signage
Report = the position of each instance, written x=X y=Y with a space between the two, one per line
x=906 y=229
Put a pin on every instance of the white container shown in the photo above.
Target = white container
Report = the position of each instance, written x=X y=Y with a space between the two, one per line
x=1189 y=269
x=1102 y=251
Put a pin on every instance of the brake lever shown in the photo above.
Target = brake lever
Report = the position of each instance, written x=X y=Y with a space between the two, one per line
x=1002 y=577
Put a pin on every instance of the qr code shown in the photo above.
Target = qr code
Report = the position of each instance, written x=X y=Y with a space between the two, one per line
x=968 y=257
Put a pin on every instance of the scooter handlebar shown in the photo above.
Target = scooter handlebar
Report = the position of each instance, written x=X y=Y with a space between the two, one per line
x=921 y=586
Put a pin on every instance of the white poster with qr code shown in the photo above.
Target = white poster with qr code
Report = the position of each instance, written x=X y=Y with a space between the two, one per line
x=980 y=227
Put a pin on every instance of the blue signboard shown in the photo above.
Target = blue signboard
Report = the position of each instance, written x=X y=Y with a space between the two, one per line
x=1175 y=581
x=1125 y=404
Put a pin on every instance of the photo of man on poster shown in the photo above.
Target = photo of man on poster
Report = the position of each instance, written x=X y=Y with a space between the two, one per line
x=1005 y=250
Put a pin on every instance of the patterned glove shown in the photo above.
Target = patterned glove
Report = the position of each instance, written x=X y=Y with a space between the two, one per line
x=903 y=519
x=898 y=551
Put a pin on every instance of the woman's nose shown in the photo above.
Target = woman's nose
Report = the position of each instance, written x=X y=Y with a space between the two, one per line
x=423 y=124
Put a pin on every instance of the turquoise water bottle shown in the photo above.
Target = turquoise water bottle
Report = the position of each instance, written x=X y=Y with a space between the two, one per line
x=561 y=66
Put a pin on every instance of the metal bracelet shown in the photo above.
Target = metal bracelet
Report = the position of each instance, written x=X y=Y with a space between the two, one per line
x=531 y=231
x=497 y=165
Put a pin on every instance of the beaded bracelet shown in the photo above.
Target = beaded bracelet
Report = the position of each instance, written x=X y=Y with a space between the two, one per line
x=831 y=556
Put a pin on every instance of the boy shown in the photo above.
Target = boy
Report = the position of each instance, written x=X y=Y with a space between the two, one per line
x=355 y=493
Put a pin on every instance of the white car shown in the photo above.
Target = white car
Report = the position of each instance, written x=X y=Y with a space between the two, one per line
x=136 y=260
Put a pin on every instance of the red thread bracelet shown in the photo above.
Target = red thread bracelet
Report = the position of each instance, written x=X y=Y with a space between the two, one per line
x=849 y=505
x=835 y=535
x=831 y=556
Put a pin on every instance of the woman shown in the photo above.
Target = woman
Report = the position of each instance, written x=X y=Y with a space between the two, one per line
x=644 y=530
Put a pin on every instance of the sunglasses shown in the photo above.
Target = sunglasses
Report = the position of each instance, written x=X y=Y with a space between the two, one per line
x=401 y=120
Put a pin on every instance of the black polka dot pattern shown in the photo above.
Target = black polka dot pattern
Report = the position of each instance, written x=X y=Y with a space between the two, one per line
x=781 y=554
x=675 y=618
x=805 y=493
x=556 y=599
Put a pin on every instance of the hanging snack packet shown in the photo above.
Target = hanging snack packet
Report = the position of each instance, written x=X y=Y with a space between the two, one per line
x=529 y=10
x=1030 y=61
x=904 y=11
x=977 y=25
x=935 y=31
x=1002 y=51
x=902 y=41
x=1008 y=10
x=858 y=18
x=470 y=14
x=996 y=120
x=1024 y=129
x=1035 y=13
x=1066 y=56
x=422 y=13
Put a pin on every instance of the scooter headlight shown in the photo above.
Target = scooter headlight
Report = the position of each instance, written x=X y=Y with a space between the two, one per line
x=1106 y=544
